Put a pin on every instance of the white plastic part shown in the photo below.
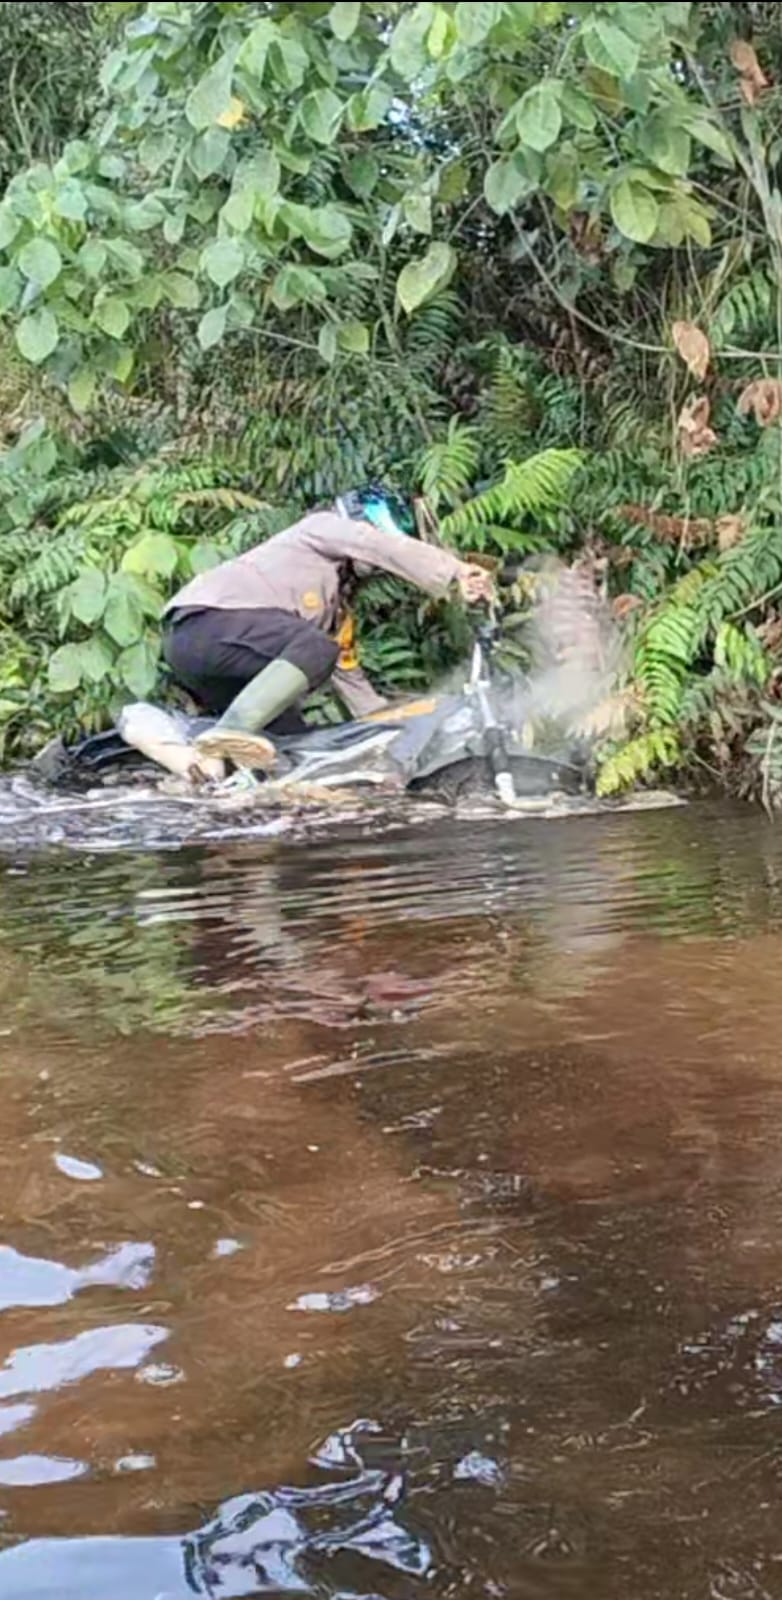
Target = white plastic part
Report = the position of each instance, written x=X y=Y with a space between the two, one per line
x=158 y=736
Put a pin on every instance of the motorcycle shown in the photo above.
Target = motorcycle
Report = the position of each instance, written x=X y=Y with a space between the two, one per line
x=447 y=746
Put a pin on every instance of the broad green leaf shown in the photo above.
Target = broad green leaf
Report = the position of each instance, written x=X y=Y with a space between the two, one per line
x=9 y=226
x=708 y=134
x=353 y=337
x=367 y=110
x=437 y=37
x=112 y=316
x=37 y=336
x=539 y=118
x=505 y=184
x=254 y=51
x=562 y=177
x=577 y=108
x=208 y=152
x=239 y=210
x=634 y=210
x=212 y=327
x=222 y=261
x=665 y=143
x=320 y=115
x=123 y=364
x=260 y=175
x=64 y=671
x=326 y=229
x=609 y=48
x=10 y=286
x=327 y=342
x=174 y=226
x=142 y=215
x=408 y=40
x=87 y=596
x=211 y=97
x=71 y=201
x=81 y=390
x=420 y=279
x=344 y=18
x=123 y=613
x=96 y=660
x=138 y=668
x=181 y=291
x=147 y=294
x=288 y=61
x=156 y=148
x=126 y=257
x=295 y=286
x=475 y=19
x=242 y=310
x=153 y=556
x=92 y=258
x=40 y=261
x=203 y=557
x=76 y=157
x=363 y=173
x=418 y=211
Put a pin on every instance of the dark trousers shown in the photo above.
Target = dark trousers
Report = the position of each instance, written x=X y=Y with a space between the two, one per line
x=213 y=653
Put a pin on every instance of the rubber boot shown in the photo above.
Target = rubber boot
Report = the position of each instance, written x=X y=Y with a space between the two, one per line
x=237 y=737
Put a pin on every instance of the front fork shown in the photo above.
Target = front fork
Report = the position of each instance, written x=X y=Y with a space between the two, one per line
x=479 y=690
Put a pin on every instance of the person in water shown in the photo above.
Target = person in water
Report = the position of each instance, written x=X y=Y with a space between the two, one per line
x=252 y=637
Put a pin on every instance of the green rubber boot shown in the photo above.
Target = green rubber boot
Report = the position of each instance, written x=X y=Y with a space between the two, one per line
x=237 y=737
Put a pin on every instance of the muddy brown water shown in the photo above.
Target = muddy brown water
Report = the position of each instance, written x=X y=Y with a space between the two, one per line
x=395 y=1216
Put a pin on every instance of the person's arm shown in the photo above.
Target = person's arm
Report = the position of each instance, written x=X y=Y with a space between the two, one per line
x=356 y=692
x=342 y=539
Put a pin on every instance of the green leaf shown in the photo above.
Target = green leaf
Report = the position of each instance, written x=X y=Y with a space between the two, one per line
x=344 y=19
x=71 y=201
x=208 y=152
x=138 y=668
x=203 y=557
x=212 y=327
x=144 y=214
x=437 y=37
x=239 y=210
x=419 y=280
x=408 y=41
x=562 y=177
x=81 y=389
x=320 y=115
x=222 y=261
x=40 y=261
x=126 y=257
x=123 y=615
x=254 y=51
x=609 y=48
x=10 y=285
x=505 y=184
x=288 y=61
x=353 y=338
x=295 y=286
x=37 y=336
x=708 y=134
x=174 y=226
x=327 y=342
x=156 y=148
x=9 y=226
x=211 y=97
x=123 y=364
x=577 y=108
x=87 y=596
x=92 y=258
x=363 y=174
x=326 y=230
x=665 y=143
x=153 y=556
x=475 y=19
x=64 y=671
x=417 y=208
x=634 y=210
x=367 y=110
x=112 y=316
x=538 y=117
x=181 y=291
x=95 y=660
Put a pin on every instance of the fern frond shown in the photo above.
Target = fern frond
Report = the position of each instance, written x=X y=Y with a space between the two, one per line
x=638 y=760
x=448 y=467
x=527 y=489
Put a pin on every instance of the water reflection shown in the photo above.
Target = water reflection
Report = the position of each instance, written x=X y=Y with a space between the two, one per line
x=476 y=1134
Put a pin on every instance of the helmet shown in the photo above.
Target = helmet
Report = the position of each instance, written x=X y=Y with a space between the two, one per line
x=377 y=505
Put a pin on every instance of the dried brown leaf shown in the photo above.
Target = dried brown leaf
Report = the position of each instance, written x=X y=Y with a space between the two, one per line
x=624 y=605
x=753 y=78
x=693 y=347
x=764 y=399
x=729 y=530
x=696 y=438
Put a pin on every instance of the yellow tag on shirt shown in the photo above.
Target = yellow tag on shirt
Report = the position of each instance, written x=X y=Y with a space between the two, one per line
x=346 y=639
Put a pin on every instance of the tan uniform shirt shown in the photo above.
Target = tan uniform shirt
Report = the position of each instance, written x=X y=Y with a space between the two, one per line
x=299 y=571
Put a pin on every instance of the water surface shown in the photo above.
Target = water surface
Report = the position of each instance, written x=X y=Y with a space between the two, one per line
x=395 y=1216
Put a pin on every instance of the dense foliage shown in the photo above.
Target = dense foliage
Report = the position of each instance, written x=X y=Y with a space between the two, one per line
x=526 y=257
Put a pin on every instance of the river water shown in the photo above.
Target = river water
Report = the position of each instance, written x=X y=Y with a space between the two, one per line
x=395 y=1216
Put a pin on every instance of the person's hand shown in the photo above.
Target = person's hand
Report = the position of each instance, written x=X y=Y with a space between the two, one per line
x=474 y=583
